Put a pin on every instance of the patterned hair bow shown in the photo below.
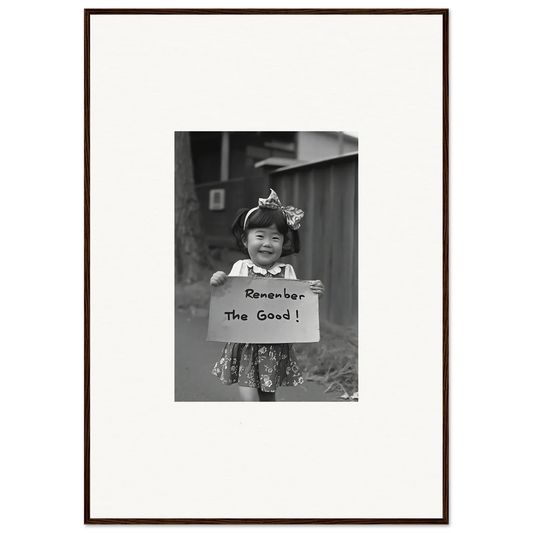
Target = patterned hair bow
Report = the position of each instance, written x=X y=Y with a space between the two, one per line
x=293 y=215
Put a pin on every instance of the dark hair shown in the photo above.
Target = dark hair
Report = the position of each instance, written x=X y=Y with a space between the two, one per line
x=263 y=218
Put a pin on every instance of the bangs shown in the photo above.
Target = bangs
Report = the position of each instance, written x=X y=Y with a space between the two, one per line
x=264 y=217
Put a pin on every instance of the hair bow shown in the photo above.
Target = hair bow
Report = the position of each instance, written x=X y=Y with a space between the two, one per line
x=292 y=214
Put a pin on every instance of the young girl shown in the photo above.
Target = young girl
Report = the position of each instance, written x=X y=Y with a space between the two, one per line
x=264 y=233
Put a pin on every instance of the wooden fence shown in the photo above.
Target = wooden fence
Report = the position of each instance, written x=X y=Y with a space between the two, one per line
x=327 y=191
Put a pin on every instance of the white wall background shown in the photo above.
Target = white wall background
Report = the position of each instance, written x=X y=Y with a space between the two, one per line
x=143 y=87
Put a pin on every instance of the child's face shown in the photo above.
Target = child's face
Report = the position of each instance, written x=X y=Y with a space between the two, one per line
x=264 y=245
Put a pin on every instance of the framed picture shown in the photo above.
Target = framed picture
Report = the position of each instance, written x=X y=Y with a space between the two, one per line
x=304 y=144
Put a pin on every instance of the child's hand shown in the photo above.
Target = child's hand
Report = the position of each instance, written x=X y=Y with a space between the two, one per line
x=317 y=287
x=218 y=278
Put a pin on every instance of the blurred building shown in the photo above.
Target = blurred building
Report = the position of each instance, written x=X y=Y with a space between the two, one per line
x=226 y=156
x=232 y=169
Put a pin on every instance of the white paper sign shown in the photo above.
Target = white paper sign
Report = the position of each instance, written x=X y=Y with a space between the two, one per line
x=263 y=310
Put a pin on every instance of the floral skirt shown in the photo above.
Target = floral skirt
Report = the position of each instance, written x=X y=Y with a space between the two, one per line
x=261 y=366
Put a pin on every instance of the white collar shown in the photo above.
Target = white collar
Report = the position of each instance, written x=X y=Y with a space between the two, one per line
x=276 y=269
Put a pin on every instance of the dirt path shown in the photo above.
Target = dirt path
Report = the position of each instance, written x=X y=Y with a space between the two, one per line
x=195 y=358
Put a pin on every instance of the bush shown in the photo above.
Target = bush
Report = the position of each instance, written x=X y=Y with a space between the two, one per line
x=333 y=361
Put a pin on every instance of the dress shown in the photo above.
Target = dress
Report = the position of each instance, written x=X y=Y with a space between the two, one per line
x=261 y=366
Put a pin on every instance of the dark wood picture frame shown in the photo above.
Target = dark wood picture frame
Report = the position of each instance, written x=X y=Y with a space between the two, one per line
x=445 y=266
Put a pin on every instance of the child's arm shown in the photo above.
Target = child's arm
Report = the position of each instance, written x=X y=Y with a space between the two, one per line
x=318 y=288
x=218 y=278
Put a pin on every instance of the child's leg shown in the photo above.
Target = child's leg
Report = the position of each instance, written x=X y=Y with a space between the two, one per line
x=266 y=396
x=248 y=394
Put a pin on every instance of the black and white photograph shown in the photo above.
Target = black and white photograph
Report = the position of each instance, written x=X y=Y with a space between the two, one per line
x=265 y=224
x=271 y=205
